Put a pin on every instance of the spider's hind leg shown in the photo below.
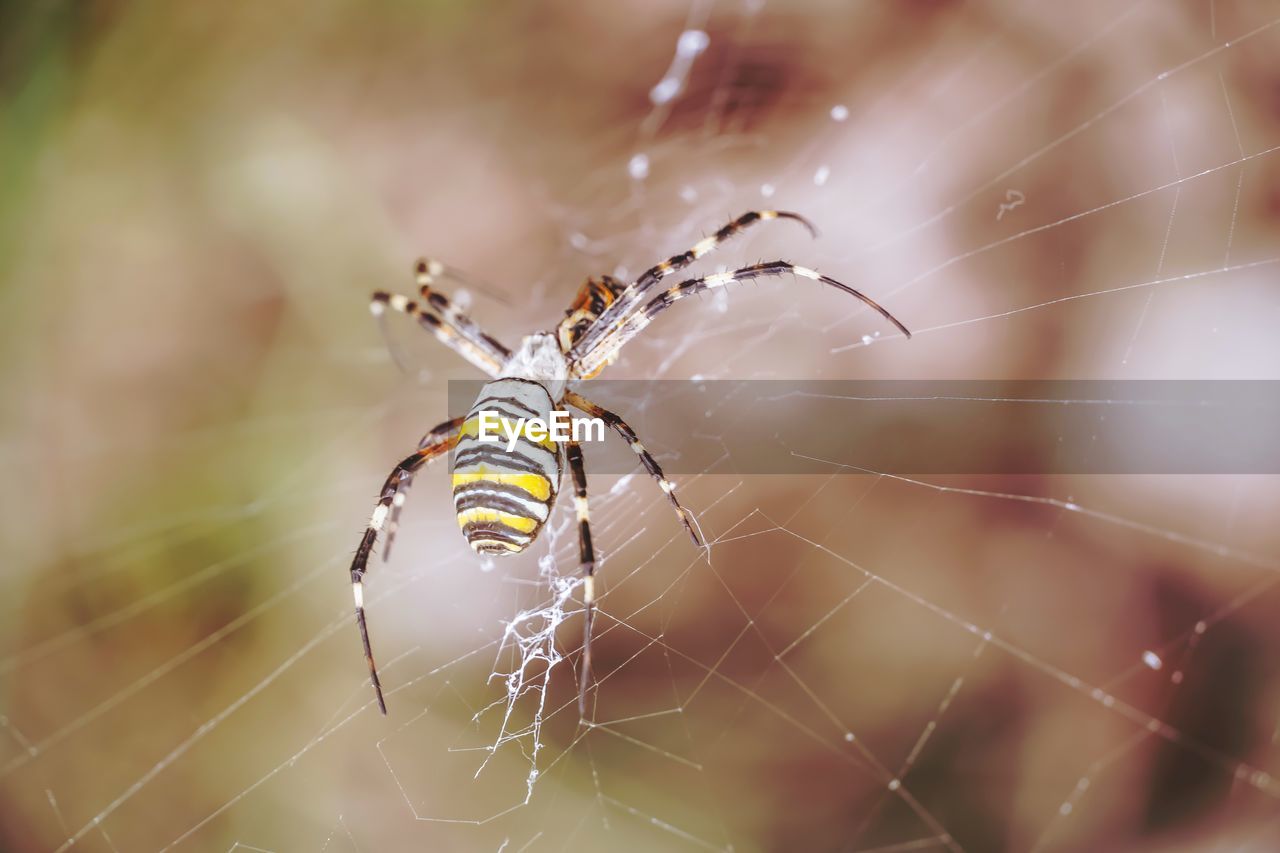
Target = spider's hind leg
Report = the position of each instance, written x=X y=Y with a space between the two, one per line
x=432 y=438
x=446 y=435
x=587 y=561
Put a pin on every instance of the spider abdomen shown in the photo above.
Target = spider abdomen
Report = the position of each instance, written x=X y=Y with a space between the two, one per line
x=503 y=496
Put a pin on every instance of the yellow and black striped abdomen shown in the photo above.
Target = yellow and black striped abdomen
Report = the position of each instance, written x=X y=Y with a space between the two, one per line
x=504 y=497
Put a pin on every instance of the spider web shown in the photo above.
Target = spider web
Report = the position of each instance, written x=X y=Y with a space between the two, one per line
x=862 y=660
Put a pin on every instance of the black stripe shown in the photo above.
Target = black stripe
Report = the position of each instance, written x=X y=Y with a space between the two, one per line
x=523 y=441
x=596 y=300
x=613 y=421
x=573 y=453
x=525 y=448
x=498 y=347
x=503 y=488
x=586 y=555
x=488 y=501
x=495 y=530
x=500 y=459
x=736 y=225
x=494 y=407
x=514 y=403
x=681 y=260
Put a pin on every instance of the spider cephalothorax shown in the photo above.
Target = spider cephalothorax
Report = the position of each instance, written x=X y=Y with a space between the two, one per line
x=503 y=497
x=593 y=299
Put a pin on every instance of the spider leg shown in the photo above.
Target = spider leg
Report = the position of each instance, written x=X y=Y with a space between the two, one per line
x=438 y=315
x=706 y=245
x=406 y=480
x=426 y=271
x=446 y=436
x=637 y=289
x=618 y=425
x=587 y=562
x=585 y=362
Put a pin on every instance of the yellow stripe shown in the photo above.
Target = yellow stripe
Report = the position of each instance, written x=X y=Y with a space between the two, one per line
x=482 y=514
x=538 y=486
x=471 y=429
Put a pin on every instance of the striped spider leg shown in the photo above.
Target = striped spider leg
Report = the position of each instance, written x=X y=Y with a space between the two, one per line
x=586 y=565
x=437 y=442
x=401 y=496
x=630 y=296
x=590 y=359
x=618 y=425
x=437 y=314
x=586 y=553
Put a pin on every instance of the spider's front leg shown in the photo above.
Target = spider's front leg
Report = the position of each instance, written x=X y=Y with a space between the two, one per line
x=439 y=441
x=706 y=245
x=596 y=350
x=629 y=296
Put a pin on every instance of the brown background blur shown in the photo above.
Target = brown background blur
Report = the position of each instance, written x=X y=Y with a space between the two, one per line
x=197 y=199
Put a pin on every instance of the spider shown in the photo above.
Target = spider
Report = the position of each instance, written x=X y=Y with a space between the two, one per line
x=503 y=499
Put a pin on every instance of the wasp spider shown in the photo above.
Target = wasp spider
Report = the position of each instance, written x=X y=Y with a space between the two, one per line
x=503 y=498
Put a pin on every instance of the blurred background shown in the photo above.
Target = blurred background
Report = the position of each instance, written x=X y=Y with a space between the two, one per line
x=197 y=200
